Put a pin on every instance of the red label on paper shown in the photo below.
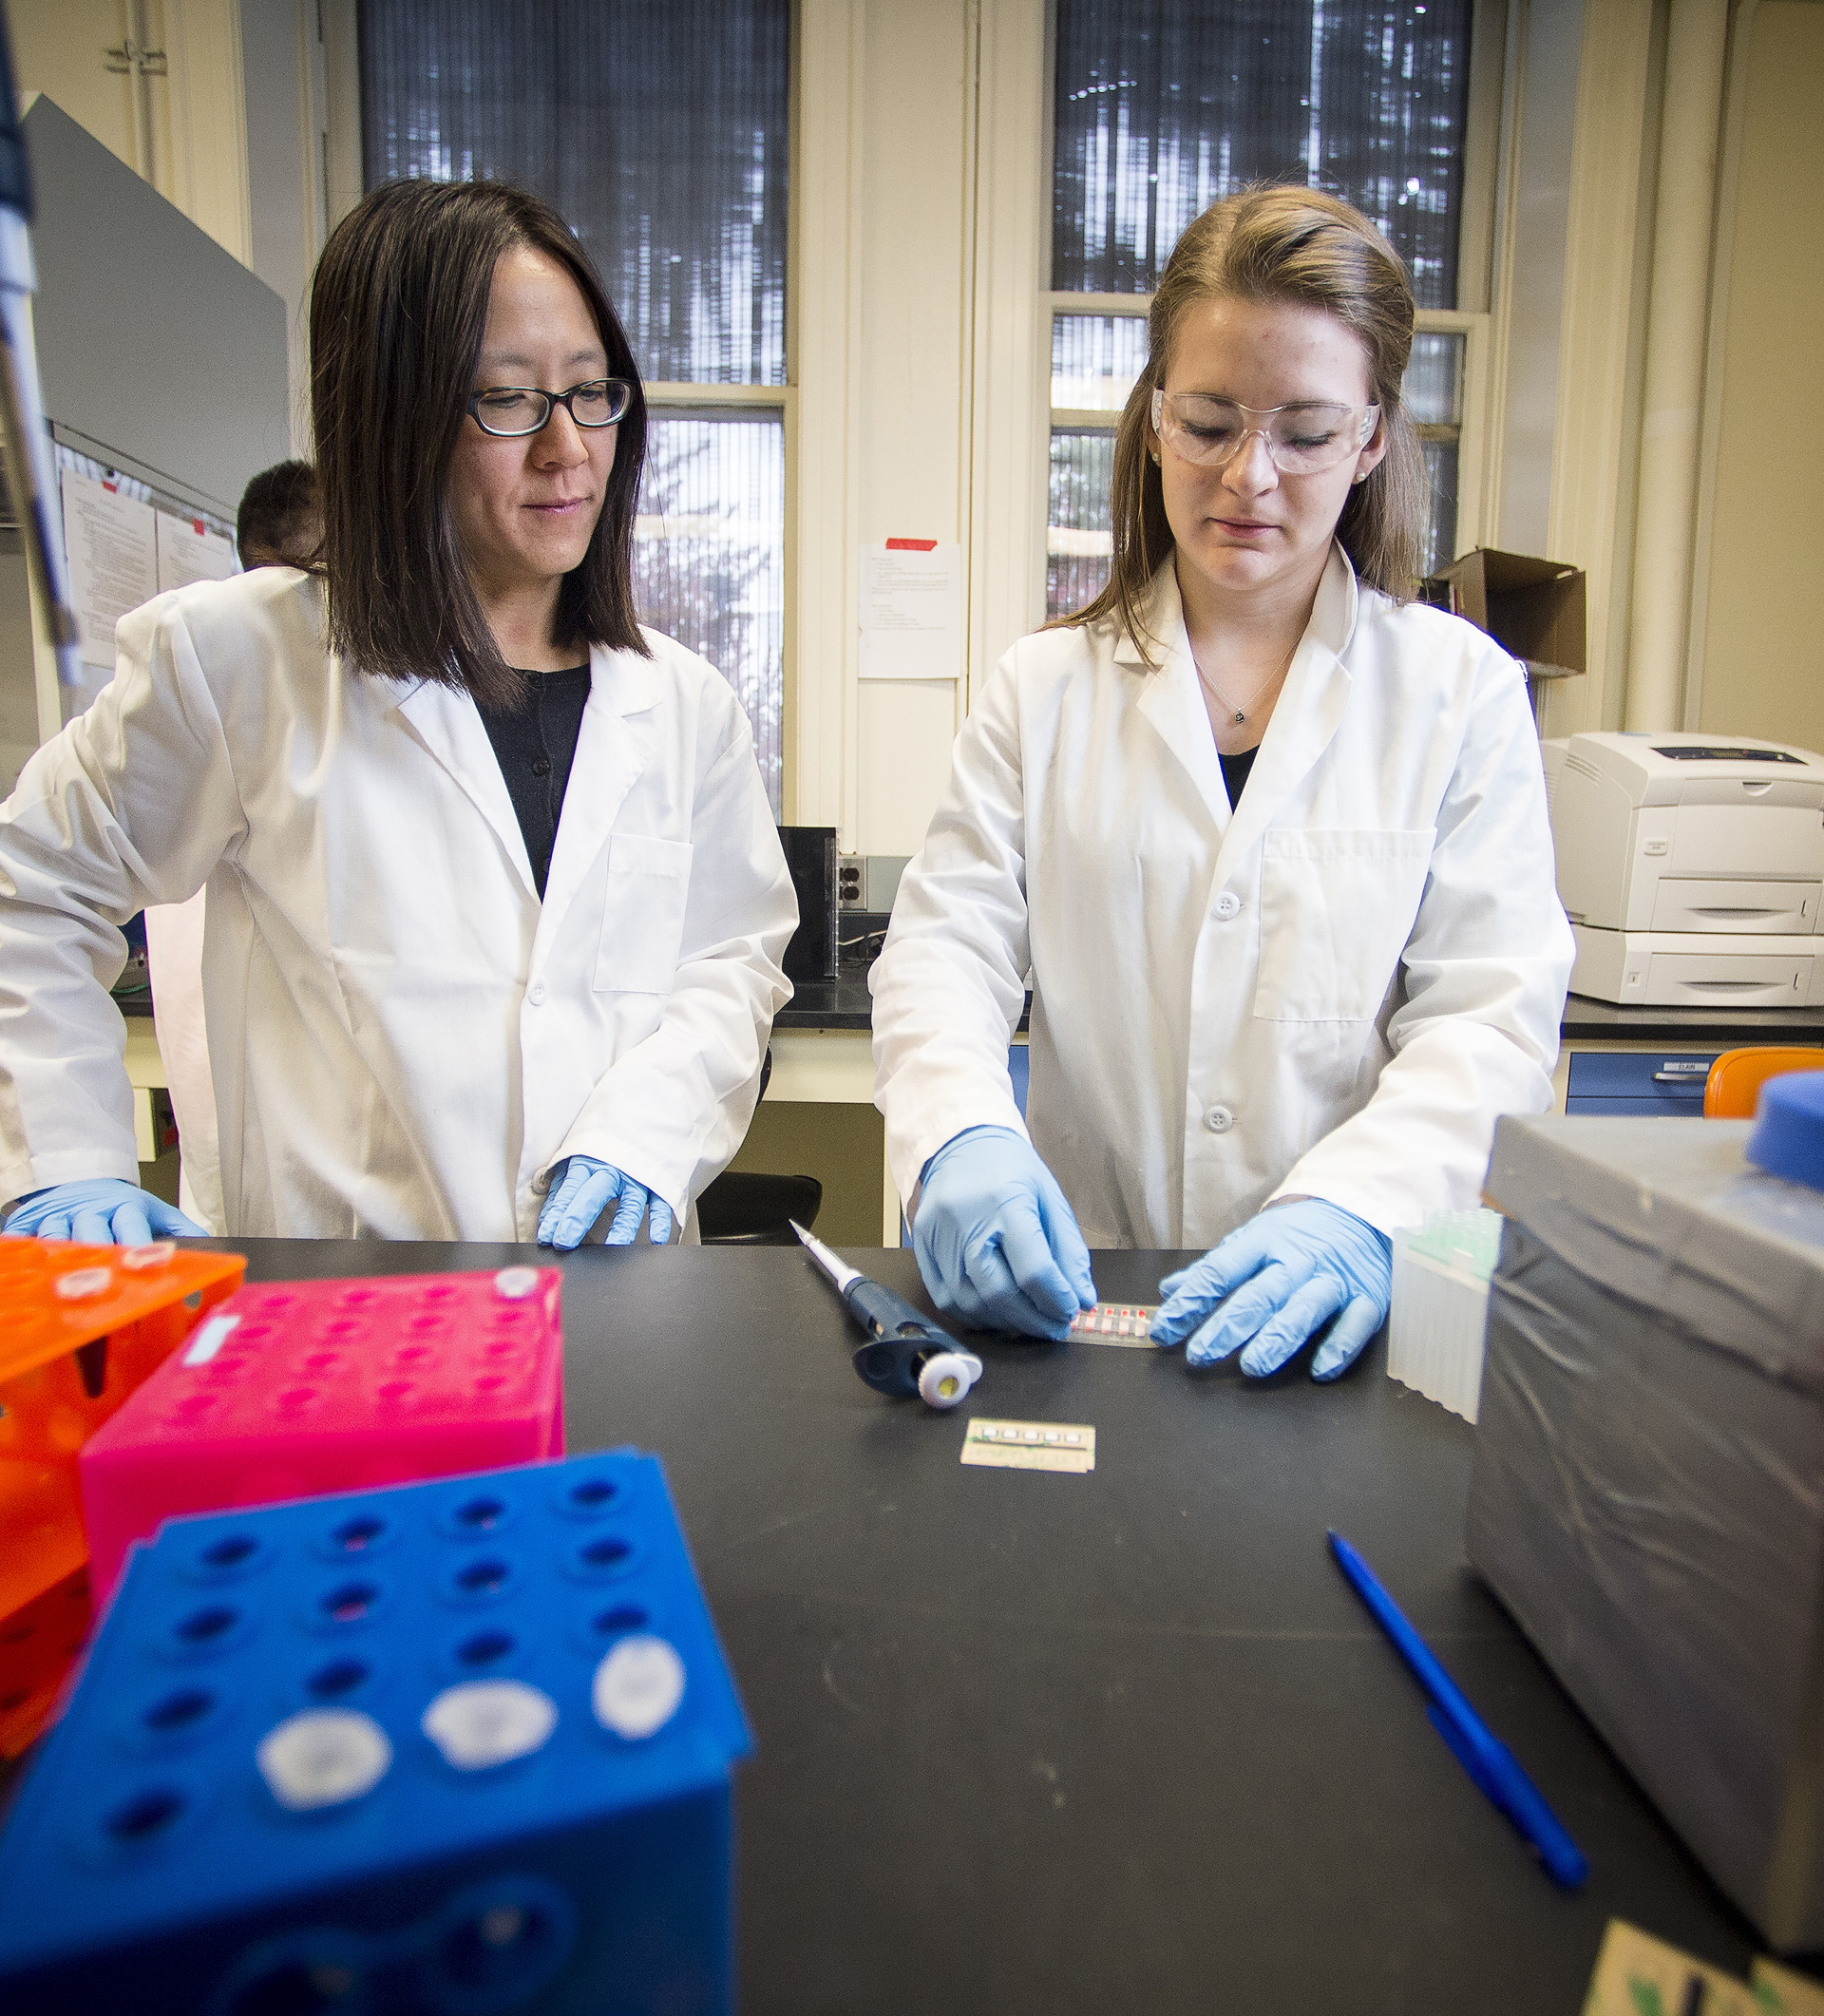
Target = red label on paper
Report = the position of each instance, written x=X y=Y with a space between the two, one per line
x=911 y=546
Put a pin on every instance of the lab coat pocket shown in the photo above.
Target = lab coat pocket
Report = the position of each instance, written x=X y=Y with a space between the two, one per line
x=642 y=914
x=1337 y=908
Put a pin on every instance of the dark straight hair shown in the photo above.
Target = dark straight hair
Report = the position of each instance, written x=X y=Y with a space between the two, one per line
x=398 y=310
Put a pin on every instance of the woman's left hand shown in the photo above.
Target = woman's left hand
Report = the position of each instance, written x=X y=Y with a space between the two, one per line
x=583 y=1189
x=1276 y=1282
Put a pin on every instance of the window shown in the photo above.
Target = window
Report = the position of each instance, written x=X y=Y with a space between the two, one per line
x=660 y=134
x=1164 y=106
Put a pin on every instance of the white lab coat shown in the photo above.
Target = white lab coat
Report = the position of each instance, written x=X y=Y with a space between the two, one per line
x=403 y=1038
x=174 y=966
x=1332 y=991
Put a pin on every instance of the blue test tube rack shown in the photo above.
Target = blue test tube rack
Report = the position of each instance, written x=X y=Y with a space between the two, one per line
x=454 y=1748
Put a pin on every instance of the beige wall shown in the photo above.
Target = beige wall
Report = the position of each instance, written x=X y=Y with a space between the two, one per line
x=918 y=374
x=917 y=133
x=185 y=130
x=1594 y=420
x=1763 y=667
x=57 y=47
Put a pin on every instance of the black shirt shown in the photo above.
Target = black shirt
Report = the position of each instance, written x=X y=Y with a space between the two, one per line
x=1235 y=770
x=535 y=749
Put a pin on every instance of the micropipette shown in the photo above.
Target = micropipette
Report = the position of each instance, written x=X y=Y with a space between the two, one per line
x=907 y=1354
x=25 y=437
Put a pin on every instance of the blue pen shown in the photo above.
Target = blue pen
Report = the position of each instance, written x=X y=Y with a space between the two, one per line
x=1488 y=1762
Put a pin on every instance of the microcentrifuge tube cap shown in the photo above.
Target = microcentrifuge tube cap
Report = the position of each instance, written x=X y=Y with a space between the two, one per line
x=137 y=1260
x=323 y=1756
x=83 y=1283
x=946 y=1378
x=484 y=1722
x=516 y=1284
x=638 y=1687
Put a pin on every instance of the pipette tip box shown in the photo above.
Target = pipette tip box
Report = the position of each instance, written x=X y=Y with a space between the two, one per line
x=295 y=1388
x=1437 y=1326
x=452 y=1747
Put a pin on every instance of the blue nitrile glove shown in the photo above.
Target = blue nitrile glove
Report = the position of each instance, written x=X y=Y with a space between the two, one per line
x=583 y=1189
x=1274 y=1282
x=99 y=1211
x=996 y=1241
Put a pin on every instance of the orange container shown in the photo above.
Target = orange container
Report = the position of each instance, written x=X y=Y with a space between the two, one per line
x=38 y=1646
x=80 y=1328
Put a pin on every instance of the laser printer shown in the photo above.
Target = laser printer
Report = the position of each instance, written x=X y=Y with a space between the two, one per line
x=1691 y=867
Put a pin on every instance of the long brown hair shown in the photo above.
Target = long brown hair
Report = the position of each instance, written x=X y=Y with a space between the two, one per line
x=1277 y=243
x=398 y=308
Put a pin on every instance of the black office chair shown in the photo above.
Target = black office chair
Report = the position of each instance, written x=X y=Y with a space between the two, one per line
x=743 y=1208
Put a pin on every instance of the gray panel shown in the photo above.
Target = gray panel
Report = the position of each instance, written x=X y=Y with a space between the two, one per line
x=151 y=338
x=18 y=684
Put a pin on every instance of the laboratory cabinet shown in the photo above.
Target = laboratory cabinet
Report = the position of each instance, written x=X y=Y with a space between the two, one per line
x=1634 y=1062
x=1639 y=1083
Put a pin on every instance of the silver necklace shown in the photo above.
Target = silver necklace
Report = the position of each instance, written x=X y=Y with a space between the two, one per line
x=1239 y=714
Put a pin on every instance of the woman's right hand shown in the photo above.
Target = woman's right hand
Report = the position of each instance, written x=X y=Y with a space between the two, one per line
x=99 y=1211
x=996 y=1243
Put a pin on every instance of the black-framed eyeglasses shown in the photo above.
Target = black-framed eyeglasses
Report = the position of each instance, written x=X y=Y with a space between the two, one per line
x=514 y=410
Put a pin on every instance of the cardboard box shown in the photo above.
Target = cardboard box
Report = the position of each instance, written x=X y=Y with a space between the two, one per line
x=1537 y=609
x=1648 y=1494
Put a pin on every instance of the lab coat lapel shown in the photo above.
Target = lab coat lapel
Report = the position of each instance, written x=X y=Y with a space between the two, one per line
x=445 y=719
x=613 y=745
x=1306 y=716
x=1172 y=698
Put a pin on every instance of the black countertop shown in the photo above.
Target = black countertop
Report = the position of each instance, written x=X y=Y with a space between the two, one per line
x=1590 y=1021
x=844 y=1004
x=1122 y=1741
x=841 y=1004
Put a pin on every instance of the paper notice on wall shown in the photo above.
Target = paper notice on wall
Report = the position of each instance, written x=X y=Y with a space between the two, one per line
x=189 y=551
x=113 y=560
x=912 y=610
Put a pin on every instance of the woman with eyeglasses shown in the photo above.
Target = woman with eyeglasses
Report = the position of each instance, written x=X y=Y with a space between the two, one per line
x=1269 y=840
x=495 y=901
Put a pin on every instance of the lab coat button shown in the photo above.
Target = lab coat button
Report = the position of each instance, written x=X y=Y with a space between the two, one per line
x=535 y=994
x=1219 y=1119
x=1228 y=905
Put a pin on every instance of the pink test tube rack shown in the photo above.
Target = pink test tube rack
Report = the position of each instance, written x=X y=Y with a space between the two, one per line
x=291 y=1389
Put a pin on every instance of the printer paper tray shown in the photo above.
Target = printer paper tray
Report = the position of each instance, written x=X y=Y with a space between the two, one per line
x=1697 y=969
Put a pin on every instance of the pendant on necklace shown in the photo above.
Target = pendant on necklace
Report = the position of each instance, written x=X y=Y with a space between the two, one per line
x=1240 y=717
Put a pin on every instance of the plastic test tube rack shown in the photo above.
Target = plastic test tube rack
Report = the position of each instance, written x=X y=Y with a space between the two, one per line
x=81 y=1328
x=1112 y=1322
x=297 y=1388
x=39 y=1644
x=455 y=1747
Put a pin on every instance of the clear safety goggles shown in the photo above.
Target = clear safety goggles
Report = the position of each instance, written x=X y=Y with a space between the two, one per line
x=1301 y=439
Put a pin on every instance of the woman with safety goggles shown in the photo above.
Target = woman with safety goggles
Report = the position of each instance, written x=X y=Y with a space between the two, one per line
x=1267 y=839
x=496 y=903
